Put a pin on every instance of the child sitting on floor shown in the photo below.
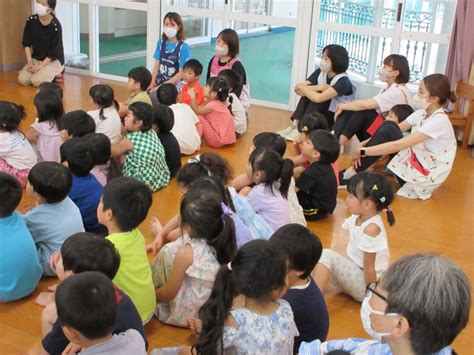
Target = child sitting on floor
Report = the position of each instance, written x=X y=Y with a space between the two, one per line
x=238 y=111
x=20 y=270
x=48 y=86
x=139 y=79
x=101 y=151
x=192 y=71
x=75 y=124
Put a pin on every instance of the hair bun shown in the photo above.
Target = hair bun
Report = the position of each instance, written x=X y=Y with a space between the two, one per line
x=452 y=96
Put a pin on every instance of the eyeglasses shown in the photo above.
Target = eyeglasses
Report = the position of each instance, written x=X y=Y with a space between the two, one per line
x=370 y=289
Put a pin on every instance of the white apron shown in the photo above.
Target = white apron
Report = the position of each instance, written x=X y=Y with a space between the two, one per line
x=322 y=79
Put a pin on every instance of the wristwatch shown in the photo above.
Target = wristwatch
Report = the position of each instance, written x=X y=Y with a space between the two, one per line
x=362 y=152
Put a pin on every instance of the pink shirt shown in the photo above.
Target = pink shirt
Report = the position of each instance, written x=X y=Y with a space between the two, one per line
x=49 y=141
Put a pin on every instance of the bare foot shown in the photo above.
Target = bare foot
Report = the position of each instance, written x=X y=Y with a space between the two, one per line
x=53 y=288
x=44 y=298
x=195 y=324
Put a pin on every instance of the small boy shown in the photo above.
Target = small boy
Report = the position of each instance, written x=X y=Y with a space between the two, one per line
x=55 y=216
x=85 y=190
x=75 y=124
x=83 y=252
x=238 y=111
x=163 y=122
x=20 y=270
x=306 y=300
x=192 y=71
x=316 y=187
x=86 y=311
x=139 y=80
x=187 y=128
x=124 y=205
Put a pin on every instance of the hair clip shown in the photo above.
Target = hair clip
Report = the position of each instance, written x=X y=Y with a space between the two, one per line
x=225 y=210
x=304 y=129
x=382 y=199
x=229 y=266
x=375 y=187
x=195 y=160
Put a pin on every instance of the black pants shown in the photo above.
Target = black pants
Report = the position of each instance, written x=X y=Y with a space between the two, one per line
x=306 y=106
x=351 y=123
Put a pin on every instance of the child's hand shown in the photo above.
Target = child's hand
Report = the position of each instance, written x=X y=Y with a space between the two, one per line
x=157 y=229
x=54 y=260
x=245 y=191
x=44 y=298
x=29 y=206
x=152 y=87
x=72 y=349
x=195 y=324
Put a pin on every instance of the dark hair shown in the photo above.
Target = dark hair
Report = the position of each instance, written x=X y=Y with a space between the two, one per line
x=206 y=164
x=90 y=252
x=50 y=180
x=167 y=94
x=233 y=78
x=339 y=58
x=311 y=122
x=375 y=187
x=203 y=213
x=274 y=168
x=231 y=38
x=86 y=302
x=219 y=86
x=103 y=96
x=163 y=117
x=270 y=140
x=176 y=18
x=438 y=85
x=52 y=4
x=77 y=123
x=400 y=63
x=142 y=76
x=10 y=194
x=326 y=144
x=195 y=65
x=402 y=111
x=257 y=270
x=11 y=115
x=100 y=147
x=48 y=86
x=78 y=155
x=49 y=107
x=129 y=200
x=213 y=183
x=302 y=247
x=142 y=112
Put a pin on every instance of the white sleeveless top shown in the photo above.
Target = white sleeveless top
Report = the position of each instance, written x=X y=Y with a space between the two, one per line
x=322 y=78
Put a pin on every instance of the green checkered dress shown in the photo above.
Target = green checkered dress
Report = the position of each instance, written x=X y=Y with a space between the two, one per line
x=146 y=162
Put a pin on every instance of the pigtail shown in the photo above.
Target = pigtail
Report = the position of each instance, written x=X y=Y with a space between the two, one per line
x=231 y=100
x=390 y=216
x=229 y=201
x=286 y=175
x=101 y=114
x=116 y=105
x=224 y=242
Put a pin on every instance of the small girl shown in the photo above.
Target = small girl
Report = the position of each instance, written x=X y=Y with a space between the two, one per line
x=216 y=118
x=263 y=323
x=106 y=117
x=101 y=152
x=271 y=175
x=17 y=156
x=185 y=283
x=238 y=111
x=144 y=154
x=44 y=133
x=367 y=251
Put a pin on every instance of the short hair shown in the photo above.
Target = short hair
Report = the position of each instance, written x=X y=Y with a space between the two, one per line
x=11 y=115
x=90 y=252
x=86 y=302
x=10 y=194
x=234 y=79
x=77 y=153
x=50 y=180
x=167 y=94
x=195 y=65
x=312 y=121
x=433 y=294
x=142 y=76
x=49 y=106
x=48 y=86
x=163 y=117
x=176 y=18
x=302 y=247
x=231 y=38
x=100 y=147
x=77 y=123
x=400 y=63
x=142 y=112
x=339 y=58
x=402 y=111
x=270 y=140
x=129 y=200
x=326 y=144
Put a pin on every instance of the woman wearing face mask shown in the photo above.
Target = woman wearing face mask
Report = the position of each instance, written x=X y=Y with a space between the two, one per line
x=419 y=306
x=170 y=54
x=324 y=90
x=363 y=117
x=227 y=50
x=43 y=43
x=424 y=158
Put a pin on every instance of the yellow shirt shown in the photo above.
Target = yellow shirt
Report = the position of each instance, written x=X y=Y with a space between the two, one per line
x=140 y=97
x=134 y=274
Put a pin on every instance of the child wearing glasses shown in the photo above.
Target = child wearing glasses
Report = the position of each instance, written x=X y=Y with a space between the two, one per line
x=368 y=257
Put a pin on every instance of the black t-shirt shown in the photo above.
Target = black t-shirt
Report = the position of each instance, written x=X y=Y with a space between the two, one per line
x=127 y=318
x=317 y=187
x=172 y=152
x=310 y=313
x=45 y=41
x=237 y=67
x=343 y=86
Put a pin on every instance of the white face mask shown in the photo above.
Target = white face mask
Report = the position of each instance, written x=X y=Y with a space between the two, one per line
x=221 y=50
x=170 y=32
x=365 y=312
x=325 y=66
x=41 y=10
x=419 y=102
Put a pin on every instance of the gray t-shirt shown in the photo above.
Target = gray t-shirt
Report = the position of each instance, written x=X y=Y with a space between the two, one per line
x=126 y=343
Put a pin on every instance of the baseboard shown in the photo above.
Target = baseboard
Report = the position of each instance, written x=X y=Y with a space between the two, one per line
x=11 y=66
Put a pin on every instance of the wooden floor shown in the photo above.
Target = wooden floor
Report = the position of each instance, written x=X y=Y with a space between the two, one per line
x=443 y=225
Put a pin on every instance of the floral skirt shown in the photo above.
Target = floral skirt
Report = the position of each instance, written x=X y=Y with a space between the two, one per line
x=20 y=175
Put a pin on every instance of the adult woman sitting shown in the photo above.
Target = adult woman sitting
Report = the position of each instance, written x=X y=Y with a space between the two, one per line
x=419 y=306
x=425 y=157
x=43 y=43
x=325 y=89
x=363 y=117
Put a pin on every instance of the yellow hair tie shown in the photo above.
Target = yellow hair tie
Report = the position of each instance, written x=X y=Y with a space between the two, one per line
x=304 y=129
x=375 y=187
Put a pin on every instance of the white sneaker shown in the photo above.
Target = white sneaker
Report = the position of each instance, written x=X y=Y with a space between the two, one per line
x=284 y=133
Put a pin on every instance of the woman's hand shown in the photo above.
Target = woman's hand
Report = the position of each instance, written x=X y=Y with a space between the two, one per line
x=356 y=161
x=36 y=68
x=339 y=110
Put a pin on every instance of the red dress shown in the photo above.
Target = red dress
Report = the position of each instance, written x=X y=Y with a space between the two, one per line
x=218 y=126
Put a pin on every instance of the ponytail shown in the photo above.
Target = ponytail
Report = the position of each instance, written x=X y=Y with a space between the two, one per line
x=452 y=97
x=103 y=96
x=220 y=87
x=390 y=216
x=101 y=114
x=286 y=175
x=225 y=243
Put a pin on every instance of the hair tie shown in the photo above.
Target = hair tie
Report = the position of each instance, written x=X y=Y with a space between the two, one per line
x=229 y=266
x=375 y=187
x=304 y=129
x=382 y=199
x=195 y=160
x=225 y=210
